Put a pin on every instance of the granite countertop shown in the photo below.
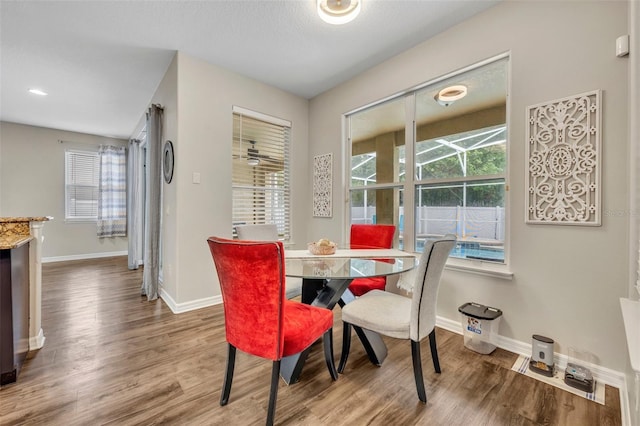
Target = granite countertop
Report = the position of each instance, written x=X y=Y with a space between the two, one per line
x=25 y=219
x=8 y=242
x=15 y=231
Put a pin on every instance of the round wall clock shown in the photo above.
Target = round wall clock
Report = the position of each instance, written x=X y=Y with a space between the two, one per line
x=167 y=162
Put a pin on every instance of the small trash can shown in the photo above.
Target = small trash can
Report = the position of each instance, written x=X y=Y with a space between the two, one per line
x=480 y=325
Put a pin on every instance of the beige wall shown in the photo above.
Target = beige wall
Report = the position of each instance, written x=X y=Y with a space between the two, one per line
x=202 y=141
x=32 y=184
x=567 y=279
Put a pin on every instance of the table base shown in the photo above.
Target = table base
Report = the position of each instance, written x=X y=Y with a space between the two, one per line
x=326 y=294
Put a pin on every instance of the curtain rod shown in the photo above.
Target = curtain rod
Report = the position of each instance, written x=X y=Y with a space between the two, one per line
x=77 y=142
x=61 y=141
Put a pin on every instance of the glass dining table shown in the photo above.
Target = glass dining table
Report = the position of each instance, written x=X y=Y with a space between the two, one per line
x=325 y=282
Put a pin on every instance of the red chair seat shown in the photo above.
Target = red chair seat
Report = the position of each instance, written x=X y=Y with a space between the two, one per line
x=302 y=325
x=360 y=286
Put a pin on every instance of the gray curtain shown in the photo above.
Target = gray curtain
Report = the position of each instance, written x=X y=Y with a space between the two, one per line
x=112 y=192
x=153 y=211
x=135 y=203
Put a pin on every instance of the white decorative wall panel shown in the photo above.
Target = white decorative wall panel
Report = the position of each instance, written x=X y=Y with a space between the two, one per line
x=322 y=185
x=564 y=167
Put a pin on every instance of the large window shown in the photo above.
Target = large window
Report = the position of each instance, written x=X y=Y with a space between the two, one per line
x=457 y=157
x=82 y=174
x=261 y=192
x=377 y=166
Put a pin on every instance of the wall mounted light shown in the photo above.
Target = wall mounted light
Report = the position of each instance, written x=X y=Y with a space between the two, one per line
x=338 y=12
x=450 y=94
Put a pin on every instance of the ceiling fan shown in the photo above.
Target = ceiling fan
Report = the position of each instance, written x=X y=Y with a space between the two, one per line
x=254 y=157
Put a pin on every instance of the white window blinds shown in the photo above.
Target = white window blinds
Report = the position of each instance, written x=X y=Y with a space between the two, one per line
x=261 y=192
x=82 y=172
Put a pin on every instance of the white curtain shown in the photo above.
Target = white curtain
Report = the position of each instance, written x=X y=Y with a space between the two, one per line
x=112 y=192
x=135 y=203
x=151 y=274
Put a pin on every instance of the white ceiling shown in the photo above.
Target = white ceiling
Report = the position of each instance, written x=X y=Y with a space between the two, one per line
x=101 y=61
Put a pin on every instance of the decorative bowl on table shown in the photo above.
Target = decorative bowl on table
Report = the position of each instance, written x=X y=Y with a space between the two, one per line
x=322 y=247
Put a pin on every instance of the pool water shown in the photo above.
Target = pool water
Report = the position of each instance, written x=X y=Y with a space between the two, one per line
x=472 y=250
x=469 y=251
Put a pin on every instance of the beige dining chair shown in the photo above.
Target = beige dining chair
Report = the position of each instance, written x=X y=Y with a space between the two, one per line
x=269 y=232
x=401 y=317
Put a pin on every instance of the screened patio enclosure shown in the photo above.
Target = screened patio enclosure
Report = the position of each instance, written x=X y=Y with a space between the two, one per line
x=460 y=190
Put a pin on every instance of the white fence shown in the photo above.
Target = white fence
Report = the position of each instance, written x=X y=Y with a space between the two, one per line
x=469 y=222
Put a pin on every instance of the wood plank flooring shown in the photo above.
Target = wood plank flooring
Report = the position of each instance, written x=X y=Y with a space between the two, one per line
x=112 y=358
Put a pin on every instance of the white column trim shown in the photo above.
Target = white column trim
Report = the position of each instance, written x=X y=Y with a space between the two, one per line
x=36 y=335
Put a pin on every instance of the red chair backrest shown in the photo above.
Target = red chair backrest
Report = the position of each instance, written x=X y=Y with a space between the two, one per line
x=372 y=236
x=251 y=275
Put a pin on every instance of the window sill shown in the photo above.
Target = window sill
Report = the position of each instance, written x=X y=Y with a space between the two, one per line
x=73 y=220
x=480 y=268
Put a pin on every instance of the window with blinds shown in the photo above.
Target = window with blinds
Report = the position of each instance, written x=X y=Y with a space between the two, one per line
x=261 y=192
x=82 y=174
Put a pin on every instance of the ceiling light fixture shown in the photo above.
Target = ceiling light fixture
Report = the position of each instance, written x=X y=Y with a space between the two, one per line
x=450 y=94
x=38 y=92
x=338 y=12
x=252 y=154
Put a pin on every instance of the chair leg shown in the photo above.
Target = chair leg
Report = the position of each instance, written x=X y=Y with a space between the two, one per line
x=327 y=341
x=346 y=346
x=228 y=375
x=434 y=350
x=273 y=394
x=417 y=370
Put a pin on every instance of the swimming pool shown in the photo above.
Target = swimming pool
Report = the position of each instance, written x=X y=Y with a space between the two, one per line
x=472 y=250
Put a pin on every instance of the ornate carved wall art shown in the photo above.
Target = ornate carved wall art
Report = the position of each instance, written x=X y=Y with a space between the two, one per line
x=564 y=167
x=322 y=185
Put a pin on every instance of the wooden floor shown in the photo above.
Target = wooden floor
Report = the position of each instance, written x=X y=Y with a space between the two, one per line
x=111 y=357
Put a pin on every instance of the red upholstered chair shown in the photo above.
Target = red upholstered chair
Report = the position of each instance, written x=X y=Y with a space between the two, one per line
x=259 y=320
x=370 y=236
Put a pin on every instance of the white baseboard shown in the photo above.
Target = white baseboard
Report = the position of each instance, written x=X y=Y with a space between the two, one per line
x=179 y=308
x=83 y=256
x=602 y=374
x=36 y=342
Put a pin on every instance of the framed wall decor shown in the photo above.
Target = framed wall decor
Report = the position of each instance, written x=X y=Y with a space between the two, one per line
x=322 y=185
x=564 y=161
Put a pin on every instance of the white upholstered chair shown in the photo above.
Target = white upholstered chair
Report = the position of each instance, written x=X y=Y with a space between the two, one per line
x=269 y=232
x=401 y=317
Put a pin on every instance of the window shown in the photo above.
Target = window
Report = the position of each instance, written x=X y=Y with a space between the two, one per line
x=378 y=165
x=433 y=169
x=82 y=173
x=260 y=170
x=460 y=190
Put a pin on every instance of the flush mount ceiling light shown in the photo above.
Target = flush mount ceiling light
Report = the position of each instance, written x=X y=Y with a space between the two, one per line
x=338 y=11
x=450 y=94
x=38 y=92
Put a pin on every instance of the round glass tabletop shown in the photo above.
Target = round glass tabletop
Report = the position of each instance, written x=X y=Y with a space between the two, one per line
x=347 y=268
